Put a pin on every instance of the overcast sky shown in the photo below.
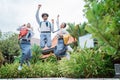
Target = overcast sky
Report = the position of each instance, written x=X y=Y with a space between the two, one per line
x=14 y=13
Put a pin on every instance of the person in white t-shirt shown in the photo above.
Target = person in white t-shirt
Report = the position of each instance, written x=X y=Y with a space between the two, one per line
x=60 y=33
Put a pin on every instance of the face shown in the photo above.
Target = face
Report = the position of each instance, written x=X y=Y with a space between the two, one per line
x=45 y=17
x=29 y=25
x=62 y=25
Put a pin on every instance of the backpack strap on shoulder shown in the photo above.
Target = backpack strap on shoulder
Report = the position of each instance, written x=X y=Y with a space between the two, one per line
x=40 y=23
x=48 y=24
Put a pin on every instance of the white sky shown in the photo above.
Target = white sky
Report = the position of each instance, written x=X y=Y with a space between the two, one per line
x=14 y=13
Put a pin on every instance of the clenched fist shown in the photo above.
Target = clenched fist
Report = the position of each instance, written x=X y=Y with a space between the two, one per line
x=39 y=6
x=52 y=20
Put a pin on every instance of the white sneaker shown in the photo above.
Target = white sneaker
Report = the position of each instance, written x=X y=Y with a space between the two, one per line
x=20 y=68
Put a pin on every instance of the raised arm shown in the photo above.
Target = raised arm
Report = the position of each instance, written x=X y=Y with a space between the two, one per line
x=52 y=25
x=57 y=22
x=19 y=28
x=58 y=26
x=37 y=14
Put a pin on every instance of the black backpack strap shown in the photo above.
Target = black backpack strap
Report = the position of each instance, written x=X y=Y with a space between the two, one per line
x=48 y=24
x=28 y=35
x=40 y=23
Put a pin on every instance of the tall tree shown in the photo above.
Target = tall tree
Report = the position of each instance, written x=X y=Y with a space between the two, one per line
x=9 y=46
x=104 y=23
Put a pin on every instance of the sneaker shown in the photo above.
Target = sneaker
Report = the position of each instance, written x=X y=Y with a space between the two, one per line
x=20 y=68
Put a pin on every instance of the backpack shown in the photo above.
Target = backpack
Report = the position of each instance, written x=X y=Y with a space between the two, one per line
x=48 y=24
x=61 y=48
x=23 y=32
x=66 y=38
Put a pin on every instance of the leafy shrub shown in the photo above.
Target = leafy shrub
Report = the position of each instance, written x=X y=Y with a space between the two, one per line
x=35 y=71
x=104 y=24
x=9 y=46
x=52 y=59
x=76 y=31
x=86 y=63
x=36 y=53
x=1 y=59
x=0 y=33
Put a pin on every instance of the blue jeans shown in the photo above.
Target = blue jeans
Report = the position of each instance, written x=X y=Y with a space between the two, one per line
x=45 y=38
x=26 y=51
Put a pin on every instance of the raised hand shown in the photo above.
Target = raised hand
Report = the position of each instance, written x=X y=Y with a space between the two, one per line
x=52 y=20
x=58 y=16
x=39 y=6
x=24 y=25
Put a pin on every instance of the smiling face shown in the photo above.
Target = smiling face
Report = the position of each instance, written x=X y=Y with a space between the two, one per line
x=45 y=16
x=63 y=25
x=28 y=25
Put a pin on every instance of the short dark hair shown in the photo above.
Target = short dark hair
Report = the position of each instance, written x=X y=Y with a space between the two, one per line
x=45 y=14
x=64 y=24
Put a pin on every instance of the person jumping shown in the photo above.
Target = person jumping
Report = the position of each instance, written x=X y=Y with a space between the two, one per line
x=45 y=29
x=26 y=32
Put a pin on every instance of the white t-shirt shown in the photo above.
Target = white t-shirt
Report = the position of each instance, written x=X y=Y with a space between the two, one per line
x=44 y=27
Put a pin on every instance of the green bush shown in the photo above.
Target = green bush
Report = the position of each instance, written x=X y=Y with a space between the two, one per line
x=9 y=46
x=35 y=71
x=36 y=53
x=76 y=31
x=86 y=64
x=104 y=24
x=52 y=59
x=1 y=59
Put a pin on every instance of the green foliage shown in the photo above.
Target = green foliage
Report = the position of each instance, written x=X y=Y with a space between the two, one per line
x=0 y=34
x=86 y=64
x=77 y=30
x=104 y=24
x=52 y=59
x=9 y=46
x=1 y=59
x=35 y=71
x=36 y=51
x=83 y=64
